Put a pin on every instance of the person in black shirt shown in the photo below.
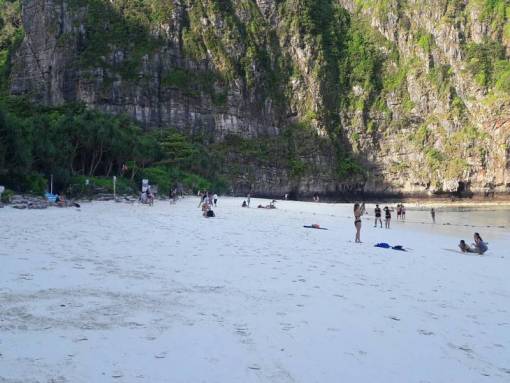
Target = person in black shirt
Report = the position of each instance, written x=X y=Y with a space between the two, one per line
x=377 y=215
x=387 y=217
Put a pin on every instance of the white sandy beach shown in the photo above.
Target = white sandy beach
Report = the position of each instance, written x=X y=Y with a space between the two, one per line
x=128 y=293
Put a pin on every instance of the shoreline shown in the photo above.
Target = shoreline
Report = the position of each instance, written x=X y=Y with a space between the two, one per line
x=410 y=202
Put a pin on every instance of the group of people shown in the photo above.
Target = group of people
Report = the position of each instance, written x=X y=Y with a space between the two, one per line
x=208 y=197
x=387 y=215
x=479 y=246
x=147 y=196
x=208 y=200
x=359 y=210
x=401 y=212
x=270 y=206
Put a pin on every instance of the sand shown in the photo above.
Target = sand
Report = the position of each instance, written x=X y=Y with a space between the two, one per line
x=130 y=293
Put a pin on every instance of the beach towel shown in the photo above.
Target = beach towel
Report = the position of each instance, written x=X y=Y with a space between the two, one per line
x=385 y=245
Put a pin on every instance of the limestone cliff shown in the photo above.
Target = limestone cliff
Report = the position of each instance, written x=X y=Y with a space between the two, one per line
x=374 y=96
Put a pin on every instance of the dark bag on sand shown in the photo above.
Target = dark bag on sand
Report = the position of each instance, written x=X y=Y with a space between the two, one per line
x=210 y=213
x=398 y=247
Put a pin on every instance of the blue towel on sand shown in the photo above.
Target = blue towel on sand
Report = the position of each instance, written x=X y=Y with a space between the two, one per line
x=385 y=245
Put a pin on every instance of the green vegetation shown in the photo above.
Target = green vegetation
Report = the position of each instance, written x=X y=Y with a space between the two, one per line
x=73 y=143
x=122 y=26
x=487 y=62
x=425 y=41
x=11 y=34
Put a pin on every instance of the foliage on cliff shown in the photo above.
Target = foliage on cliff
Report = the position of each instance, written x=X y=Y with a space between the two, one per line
x=71 y=141
x=11 y=34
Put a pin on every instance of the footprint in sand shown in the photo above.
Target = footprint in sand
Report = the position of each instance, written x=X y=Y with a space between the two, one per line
x=425 y=332
x=26 y=277
x=242 y=329
x=286 y=326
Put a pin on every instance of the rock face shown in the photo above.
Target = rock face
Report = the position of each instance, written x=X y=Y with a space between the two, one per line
x=411 y=97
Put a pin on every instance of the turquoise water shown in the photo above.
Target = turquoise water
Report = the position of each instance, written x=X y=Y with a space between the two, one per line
x=462 y=222
x=482 y=217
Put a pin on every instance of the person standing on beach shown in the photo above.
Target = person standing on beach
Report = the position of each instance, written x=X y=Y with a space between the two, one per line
x=403 y=212
x=362 y=207
x=357 y=222
x=377 y=216
x=399 y=211
x=433 y=215
x=387 y=217
x=248 y=197
x=215 y=199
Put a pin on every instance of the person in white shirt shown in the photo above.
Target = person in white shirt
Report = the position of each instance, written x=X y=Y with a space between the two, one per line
x=215 y=198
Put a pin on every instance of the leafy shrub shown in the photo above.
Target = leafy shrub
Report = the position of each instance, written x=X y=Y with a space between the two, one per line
x=7 y=196
x=29 y=183
x=194 y=182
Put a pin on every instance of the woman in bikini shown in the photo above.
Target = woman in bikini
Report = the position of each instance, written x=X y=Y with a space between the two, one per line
x=387 y=217
x=357 y=222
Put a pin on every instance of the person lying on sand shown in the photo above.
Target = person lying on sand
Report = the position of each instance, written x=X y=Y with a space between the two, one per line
x=270 y=206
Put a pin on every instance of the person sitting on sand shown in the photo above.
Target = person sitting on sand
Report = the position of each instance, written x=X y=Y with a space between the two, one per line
x=244 y=204
x=480 y=246
x=60 y=200
x=210 y=213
